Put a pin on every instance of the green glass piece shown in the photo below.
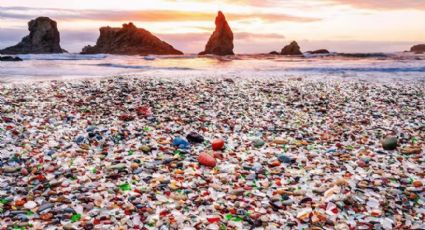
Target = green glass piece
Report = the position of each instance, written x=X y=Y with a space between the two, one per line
x=75 y=217
x=4 y=200
x=125 y=187
x=228 y=216
x=237 y=219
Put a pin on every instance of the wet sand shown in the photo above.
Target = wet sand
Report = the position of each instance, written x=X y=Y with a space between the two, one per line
x=298 y=153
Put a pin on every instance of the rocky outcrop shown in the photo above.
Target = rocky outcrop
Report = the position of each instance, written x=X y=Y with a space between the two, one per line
x=129 y=40
x=10 y=58
x=321 y=51
x=274 y=53
x=291 y=49
x=221 y=41
x=43 y=38
x=418 y=49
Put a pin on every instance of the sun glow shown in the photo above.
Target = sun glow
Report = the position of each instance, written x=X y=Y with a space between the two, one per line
x=315 y=21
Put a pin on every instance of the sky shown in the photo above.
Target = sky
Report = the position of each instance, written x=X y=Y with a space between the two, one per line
x=259 y=26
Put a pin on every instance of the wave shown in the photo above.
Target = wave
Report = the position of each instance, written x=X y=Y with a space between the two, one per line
x=363 y=55
x=64 y=56
x=420 y=69
x=121 y=66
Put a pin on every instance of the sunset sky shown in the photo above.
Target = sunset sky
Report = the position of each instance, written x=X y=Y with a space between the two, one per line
x=258 y=25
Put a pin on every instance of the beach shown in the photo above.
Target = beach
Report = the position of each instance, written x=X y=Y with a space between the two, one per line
x=299 y=153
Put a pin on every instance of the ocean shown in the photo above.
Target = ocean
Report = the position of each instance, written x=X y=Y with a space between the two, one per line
x=403 y=66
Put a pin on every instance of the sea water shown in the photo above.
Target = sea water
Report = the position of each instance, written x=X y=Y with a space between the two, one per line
x=402 y=66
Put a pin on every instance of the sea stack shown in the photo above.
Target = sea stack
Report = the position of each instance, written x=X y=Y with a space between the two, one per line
x=418 y=49
x=321 y=51
x=43 y=38
x=10 y=58
x=291 y=49
x=221 y=41
x=129 y=40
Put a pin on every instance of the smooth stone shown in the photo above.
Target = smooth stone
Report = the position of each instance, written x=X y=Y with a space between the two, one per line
x=181 y=143
x=411 y=150
x=280 y=141
x=69 y=210
x=389 y=143
x=117 y=166
x=145 y=148
x=251 y=176
x=138 y=170
x=217 y=144
x=288 y=202
x=45 y=206
x=22 y=217
x=30 y=204
x=79 y=140
x=195 y=138
x=257 y=167
x=69 y=227
x=207 y=160
x=9 y=169
x=238 y=192
x=285 y=159
x=258 y=143
x=167 y=161
x=24 y=172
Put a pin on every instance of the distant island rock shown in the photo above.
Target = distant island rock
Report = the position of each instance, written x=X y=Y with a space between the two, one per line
x=221 y=41
x=10 y=58
x=321 y=51
x=291 y=49
x=43 y=38
x=274 y=53
x=418 y=49
x=129 y=40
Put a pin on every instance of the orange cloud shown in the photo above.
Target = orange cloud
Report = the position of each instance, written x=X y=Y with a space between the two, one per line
x=140 y=15
x=384 y=4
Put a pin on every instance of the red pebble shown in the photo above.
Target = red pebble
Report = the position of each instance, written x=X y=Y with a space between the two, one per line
x=275 y=164
x=24 y=172
x=207 y=160
x=163 y=213
x=217 y=144
x=126 y=117
x=361 y=163
x=213 y=219
x=144 y=111
x=7 y=119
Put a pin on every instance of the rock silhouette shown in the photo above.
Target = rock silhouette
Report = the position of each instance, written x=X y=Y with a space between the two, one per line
x=10 y=58
x=321 y=51
x=291 y=49
x=43 y=38
x=129 y=40
x=221 y=41
x=419 y=49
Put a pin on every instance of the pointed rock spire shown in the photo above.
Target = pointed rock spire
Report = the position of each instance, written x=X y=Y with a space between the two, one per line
x=221 y=41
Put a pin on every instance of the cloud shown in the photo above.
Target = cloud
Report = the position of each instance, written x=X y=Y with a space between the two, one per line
x=75 y=40
x=384 y=4
x=139 y=15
